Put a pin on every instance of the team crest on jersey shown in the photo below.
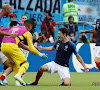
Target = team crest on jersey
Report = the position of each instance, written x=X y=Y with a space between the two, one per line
x=66 y=47
x=57 y=46
x=14 y=30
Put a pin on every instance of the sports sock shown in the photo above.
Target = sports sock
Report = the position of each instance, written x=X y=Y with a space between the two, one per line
x=98 y=65
x=23 y=68
x=3 y=76
x=39 y=74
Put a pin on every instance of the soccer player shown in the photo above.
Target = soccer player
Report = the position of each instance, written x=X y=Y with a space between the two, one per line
x=97 y=46
x=6 y=10
x=10 y=48
x=3 y=59
x=64 y=49
x=26 y=52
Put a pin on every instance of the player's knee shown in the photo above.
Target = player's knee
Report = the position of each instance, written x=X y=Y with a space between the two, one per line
x=67 y=84
x=97 y=60
x=10 y=65
x=41 y=69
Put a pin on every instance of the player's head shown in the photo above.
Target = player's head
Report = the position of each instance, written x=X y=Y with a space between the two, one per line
x=28 y=24
x=71 y=19
x=13 y=23
x=34 y=22
x=6 y=10
x=23 y=17
x=62 y=33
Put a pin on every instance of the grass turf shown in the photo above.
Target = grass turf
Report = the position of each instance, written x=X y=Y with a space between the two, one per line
x=79 y=81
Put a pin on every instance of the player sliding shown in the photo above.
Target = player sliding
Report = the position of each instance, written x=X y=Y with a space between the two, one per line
x=64 y=49
x=10 y=48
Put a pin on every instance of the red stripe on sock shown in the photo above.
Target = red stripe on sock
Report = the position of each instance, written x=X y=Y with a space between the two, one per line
x=98 y=65
x=2 y=77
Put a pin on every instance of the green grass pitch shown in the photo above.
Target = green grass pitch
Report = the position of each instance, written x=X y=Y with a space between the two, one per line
x=79 y=81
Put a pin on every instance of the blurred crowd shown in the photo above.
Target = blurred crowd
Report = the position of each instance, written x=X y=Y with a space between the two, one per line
x=48 y=29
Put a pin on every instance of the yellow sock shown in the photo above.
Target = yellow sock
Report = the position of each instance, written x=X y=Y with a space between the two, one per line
x=15 y=69
x=23 y=68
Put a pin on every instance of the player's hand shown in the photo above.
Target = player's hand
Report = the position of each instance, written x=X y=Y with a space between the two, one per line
x=82 y=31
x=39 y=48
x=13 y=35
x=86 y=69
x=44 y=56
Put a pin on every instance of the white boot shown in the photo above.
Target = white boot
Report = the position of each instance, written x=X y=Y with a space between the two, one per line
x=18 y=78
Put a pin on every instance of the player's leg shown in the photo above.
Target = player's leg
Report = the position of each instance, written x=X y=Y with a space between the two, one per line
x=39 y=74
x=3 y=58
x=97 y=56
x=7 y=71
x=26 y=53
x=49 y=67
x=4 y=68
x=64 y=75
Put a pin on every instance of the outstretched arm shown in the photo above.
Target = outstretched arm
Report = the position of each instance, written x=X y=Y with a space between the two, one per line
x=8 y=34
x=79 y=58
x=89 y=31
x=32 y=49
x=51 y=48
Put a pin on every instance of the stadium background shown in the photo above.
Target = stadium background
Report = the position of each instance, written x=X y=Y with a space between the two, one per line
x=88 y=13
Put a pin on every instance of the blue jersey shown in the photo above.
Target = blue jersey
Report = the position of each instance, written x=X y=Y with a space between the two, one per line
x=98 y=32
x=63 y=52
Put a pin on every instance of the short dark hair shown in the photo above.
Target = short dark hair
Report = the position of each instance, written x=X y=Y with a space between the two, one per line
x=70 y=17
x=13 y=23
x=28 y=22
x=64 y=30
x=32 y=19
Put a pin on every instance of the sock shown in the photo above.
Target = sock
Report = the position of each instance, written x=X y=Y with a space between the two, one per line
x=23 y=68
x=3 y=76
x=39 y=74
x=98 y=65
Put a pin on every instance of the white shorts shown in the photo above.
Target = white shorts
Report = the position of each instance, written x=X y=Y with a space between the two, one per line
x=3 y=58
x=62 y=71
x=25 y=52
x=97 y=51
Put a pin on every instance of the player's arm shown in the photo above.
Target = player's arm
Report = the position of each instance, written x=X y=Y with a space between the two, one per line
x=23 y=46
x=36 y=35
x=51 y=48
x=79 y=58
x=32 y=49
x=89 y=31
x=8 y=34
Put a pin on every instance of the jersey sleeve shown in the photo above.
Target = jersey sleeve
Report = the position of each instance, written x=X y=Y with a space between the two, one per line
x=74 y=49
x=28 y=37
